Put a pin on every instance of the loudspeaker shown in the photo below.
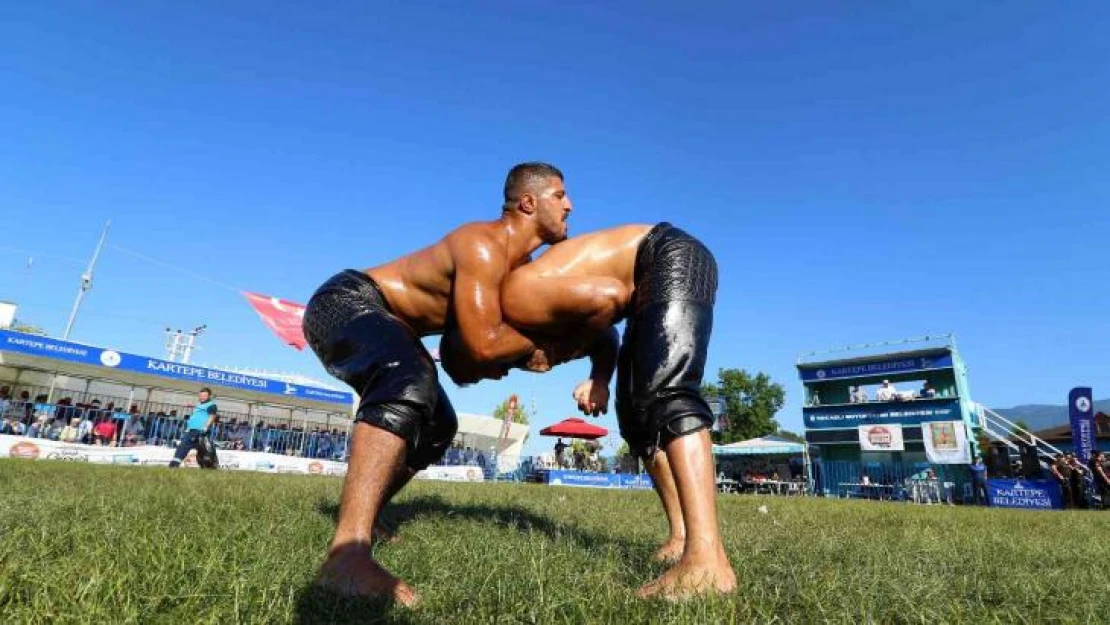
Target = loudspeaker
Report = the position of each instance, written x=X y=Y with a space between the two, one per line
x=998 y=461
x=1030 y=463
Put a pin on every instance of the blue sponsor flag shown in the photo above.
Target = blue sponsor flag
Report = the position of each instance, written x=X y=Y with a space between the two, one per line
x=1081 y=409
x=1082 y=413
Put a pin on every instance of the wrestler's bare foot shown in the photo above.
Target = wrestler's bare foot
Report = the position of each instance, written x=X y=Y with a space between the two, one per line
x=351 y=571
x=691 y=577
x=671 y=551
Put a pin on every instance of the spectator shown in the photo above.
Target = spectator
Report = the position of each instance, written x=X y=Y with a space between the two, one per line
x=886 y=392
x=43 y=409
x=133 y=430
x=560 y=447
x=104 y=432
x=5 y=401
x=979 y=481
x=28 y=408
x=72 y=432
x=859 y=395
x=927 y=391
x=1061 y=472
x=1101 y=476
x=198 y=426
x=85 y=428
x=1077 y=482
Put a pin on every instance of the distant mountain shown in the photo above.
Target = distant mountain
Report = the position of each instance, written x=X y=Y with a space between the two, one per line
x=1043 y=416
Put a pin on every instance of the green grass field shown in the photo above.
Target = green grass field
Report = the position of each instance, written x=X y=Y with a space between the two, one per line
x=81 y=543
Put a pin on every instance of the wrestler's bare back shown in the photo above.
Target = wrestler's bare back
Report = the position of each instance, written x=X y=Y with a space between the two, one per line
x=418 y=286
x=556 y=289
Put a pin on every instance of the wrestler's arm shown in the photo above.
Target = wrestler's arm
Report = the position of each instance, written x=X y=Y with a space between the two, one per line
x=592 y=395
x=482 y=336
x=539 y=304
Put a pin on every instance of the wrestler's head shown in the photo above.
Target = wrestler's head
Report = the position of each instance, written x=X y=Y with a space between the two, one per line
x=537 y=191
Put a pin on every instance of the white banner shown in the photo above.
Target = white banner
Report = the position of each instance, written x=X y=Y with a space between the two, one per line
x=946 y=442
x=881 y=438
x=452 y=474
x=147 y=455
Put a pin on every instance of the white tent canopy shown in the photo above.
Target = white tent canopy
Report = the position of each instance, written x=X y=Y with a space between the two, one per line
x=762 y=446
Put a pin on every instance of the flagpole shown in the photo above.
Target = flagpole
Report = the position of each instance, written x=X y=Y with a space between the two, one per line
x=86 y=282
x=86 y=286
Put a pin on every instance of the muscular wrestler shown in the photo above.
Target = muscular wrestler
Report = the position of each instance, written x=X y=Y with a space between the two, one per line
x=665 y=282
x=365 y=327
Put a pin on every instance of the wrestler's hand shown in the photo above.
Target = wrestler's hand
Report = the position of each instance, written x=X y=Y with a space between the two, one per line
x=564 y=349
x=592 y=397
x=463 y=370
x=537 y=362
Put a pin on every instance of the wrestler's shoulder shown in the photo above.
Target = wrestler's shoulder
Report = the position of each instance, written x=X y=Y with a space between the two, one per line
x=472 y=238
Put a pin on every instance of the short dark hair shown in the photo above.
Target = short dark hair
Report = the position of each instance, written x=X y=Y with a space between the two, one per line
x=525 y=174
x=206 y=390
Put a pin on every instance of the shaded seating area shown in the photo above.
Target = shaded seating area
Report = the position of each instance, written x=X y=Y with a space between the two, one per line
x=768 y=465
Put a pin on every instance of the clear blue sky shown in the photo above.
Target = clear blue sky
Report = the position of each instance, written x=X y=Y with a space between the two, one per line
x=863 y=172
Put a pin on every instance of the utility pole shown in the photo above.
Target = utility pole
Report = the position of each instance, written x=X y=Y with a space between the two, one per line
x=190 y=343
x=173 y=344
x=86 y=282
x=182 y=345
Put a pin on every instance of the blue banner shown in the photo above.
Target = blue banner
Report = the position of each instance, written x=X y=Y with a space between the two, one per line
x=1029 y=494
x=43 y=347
x=597 y=480
x=641 y=481
x=878 y=413
x=1082 y=417
x=885 y=367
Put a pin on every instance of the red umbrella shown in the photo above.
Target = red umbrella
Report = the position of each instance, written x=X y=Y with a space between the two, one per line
x=574 y=428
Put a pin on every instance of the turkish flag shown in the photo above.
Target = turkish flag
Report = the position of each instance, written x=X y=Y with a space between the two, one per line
x=281 y=316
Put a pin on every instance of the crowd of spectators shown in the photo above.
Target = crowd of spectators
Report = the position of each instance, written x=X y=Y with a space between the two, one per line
x=109 y=424
x=106 y=424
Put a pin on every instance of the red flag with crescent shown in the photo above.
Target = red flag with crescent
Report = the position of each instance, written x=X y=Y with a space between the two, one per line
x=281 y=316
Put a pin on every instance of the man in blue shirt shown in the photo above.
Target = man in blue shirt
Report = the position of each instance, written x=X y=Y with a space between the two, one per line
x=979 y=481
x=198 y=426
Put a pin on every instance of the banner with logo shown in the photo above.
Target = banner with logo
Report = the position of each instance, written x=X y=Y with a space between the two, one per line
x=938 y=360
x=881 y=438
x=597 y=480
x=452 y=474
x=284 y=318
x=1028 y=494
x=1081 y=413
x=946 y=442
x=41 y=346
x=149 y=455
x=880 y=413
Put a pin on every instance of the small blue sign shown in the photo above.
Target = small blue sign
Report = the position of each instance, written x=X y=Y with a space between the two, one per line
x=1028 y=494
x=879 y=413
x=597 y=480
x=886 y=367
x=32 y=345
x=1082 y=418
x=640 y=481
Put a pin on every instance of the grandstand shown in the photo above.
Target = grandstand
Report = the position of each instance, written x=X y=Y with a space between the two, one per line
x=54 y=381
x=871 y=412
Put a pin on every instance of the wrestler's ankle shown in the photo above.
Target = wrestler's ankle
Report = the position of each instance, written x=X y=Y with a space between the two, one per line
x=702 y=552
x=350 y=540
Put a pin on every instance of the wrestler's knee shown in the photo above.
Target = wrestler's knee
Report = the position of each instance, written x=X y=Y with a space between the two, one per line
x=436 y=434
x=679 y=415
x=398 y=418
